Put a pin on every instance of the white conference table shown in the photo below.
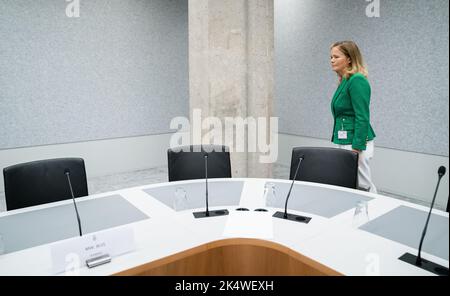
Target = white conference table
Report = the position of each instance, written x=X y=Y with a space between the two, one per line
x=329 y=242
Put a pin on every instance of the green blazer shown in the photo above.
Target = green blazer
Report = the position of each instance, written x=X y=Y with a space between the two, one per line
x=350 y=109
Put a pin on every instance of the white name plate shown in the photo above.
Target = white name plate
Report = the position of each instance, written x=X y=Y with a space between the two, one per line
x=71 y=254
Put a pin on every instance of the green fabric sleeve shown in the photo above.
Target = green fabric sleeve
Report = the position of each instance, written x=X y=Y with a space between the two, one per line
x=359 y=90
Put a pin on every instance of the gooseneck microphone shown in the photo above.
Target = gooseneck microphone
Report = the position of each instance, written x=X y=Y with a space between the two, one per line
x=441 y=173
x=67 y=173
x=285 y=215
x=208 y=213
x=417 y=260
x=290 y=188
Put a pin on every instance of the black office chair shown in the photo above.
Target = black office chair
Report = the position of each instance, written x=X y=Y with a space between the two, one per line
x=43 y=181
x=186 y=164
x=326 y=165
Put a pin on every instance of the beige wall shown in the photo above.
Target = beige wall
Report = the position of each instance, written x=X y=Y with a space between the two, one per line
x=231 y=66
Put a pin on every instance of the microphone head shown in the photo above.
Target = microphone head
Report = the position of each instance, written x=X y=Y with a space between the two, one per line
x=66 y=171
x=441 y=171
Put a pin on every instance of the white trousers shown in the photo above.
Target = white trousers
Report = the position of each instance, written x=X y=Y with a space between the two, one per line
x=364 y=175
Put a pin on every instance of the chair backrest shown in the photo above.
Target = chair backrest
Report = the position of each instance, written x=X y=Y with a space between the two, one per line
x=43 y=181
x=332 y=166
x=188 y=162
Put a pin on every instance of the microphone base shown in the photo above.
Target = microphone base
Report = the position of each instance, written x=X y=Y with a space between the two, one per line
x=292 y=217
x=425 y=265
x=214 y=213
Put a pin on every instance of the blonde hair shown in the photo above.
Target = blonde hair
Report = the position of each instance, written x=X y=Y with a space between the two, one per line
x=351 y=51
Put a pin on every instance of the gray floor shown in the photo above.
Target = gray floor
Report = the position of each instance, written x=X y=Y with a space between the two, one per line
x=117 y=181
x=159 y=174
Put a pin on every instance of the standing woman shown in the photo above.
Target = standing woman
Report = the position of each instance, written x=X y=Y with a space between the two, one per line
x=350 y=108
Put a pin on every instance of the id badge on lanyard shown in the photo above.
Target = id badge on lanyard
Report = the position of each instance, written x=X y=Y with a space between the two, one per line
x=342 y=135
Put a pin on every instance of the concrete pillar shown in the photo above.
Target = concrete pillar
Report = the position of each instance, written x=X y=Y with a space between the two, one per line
x=260 y=80
x=231 y=69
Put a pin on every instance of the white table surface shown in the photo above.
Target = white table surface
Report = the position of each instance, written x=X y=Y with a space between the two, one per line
x=330 y=241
